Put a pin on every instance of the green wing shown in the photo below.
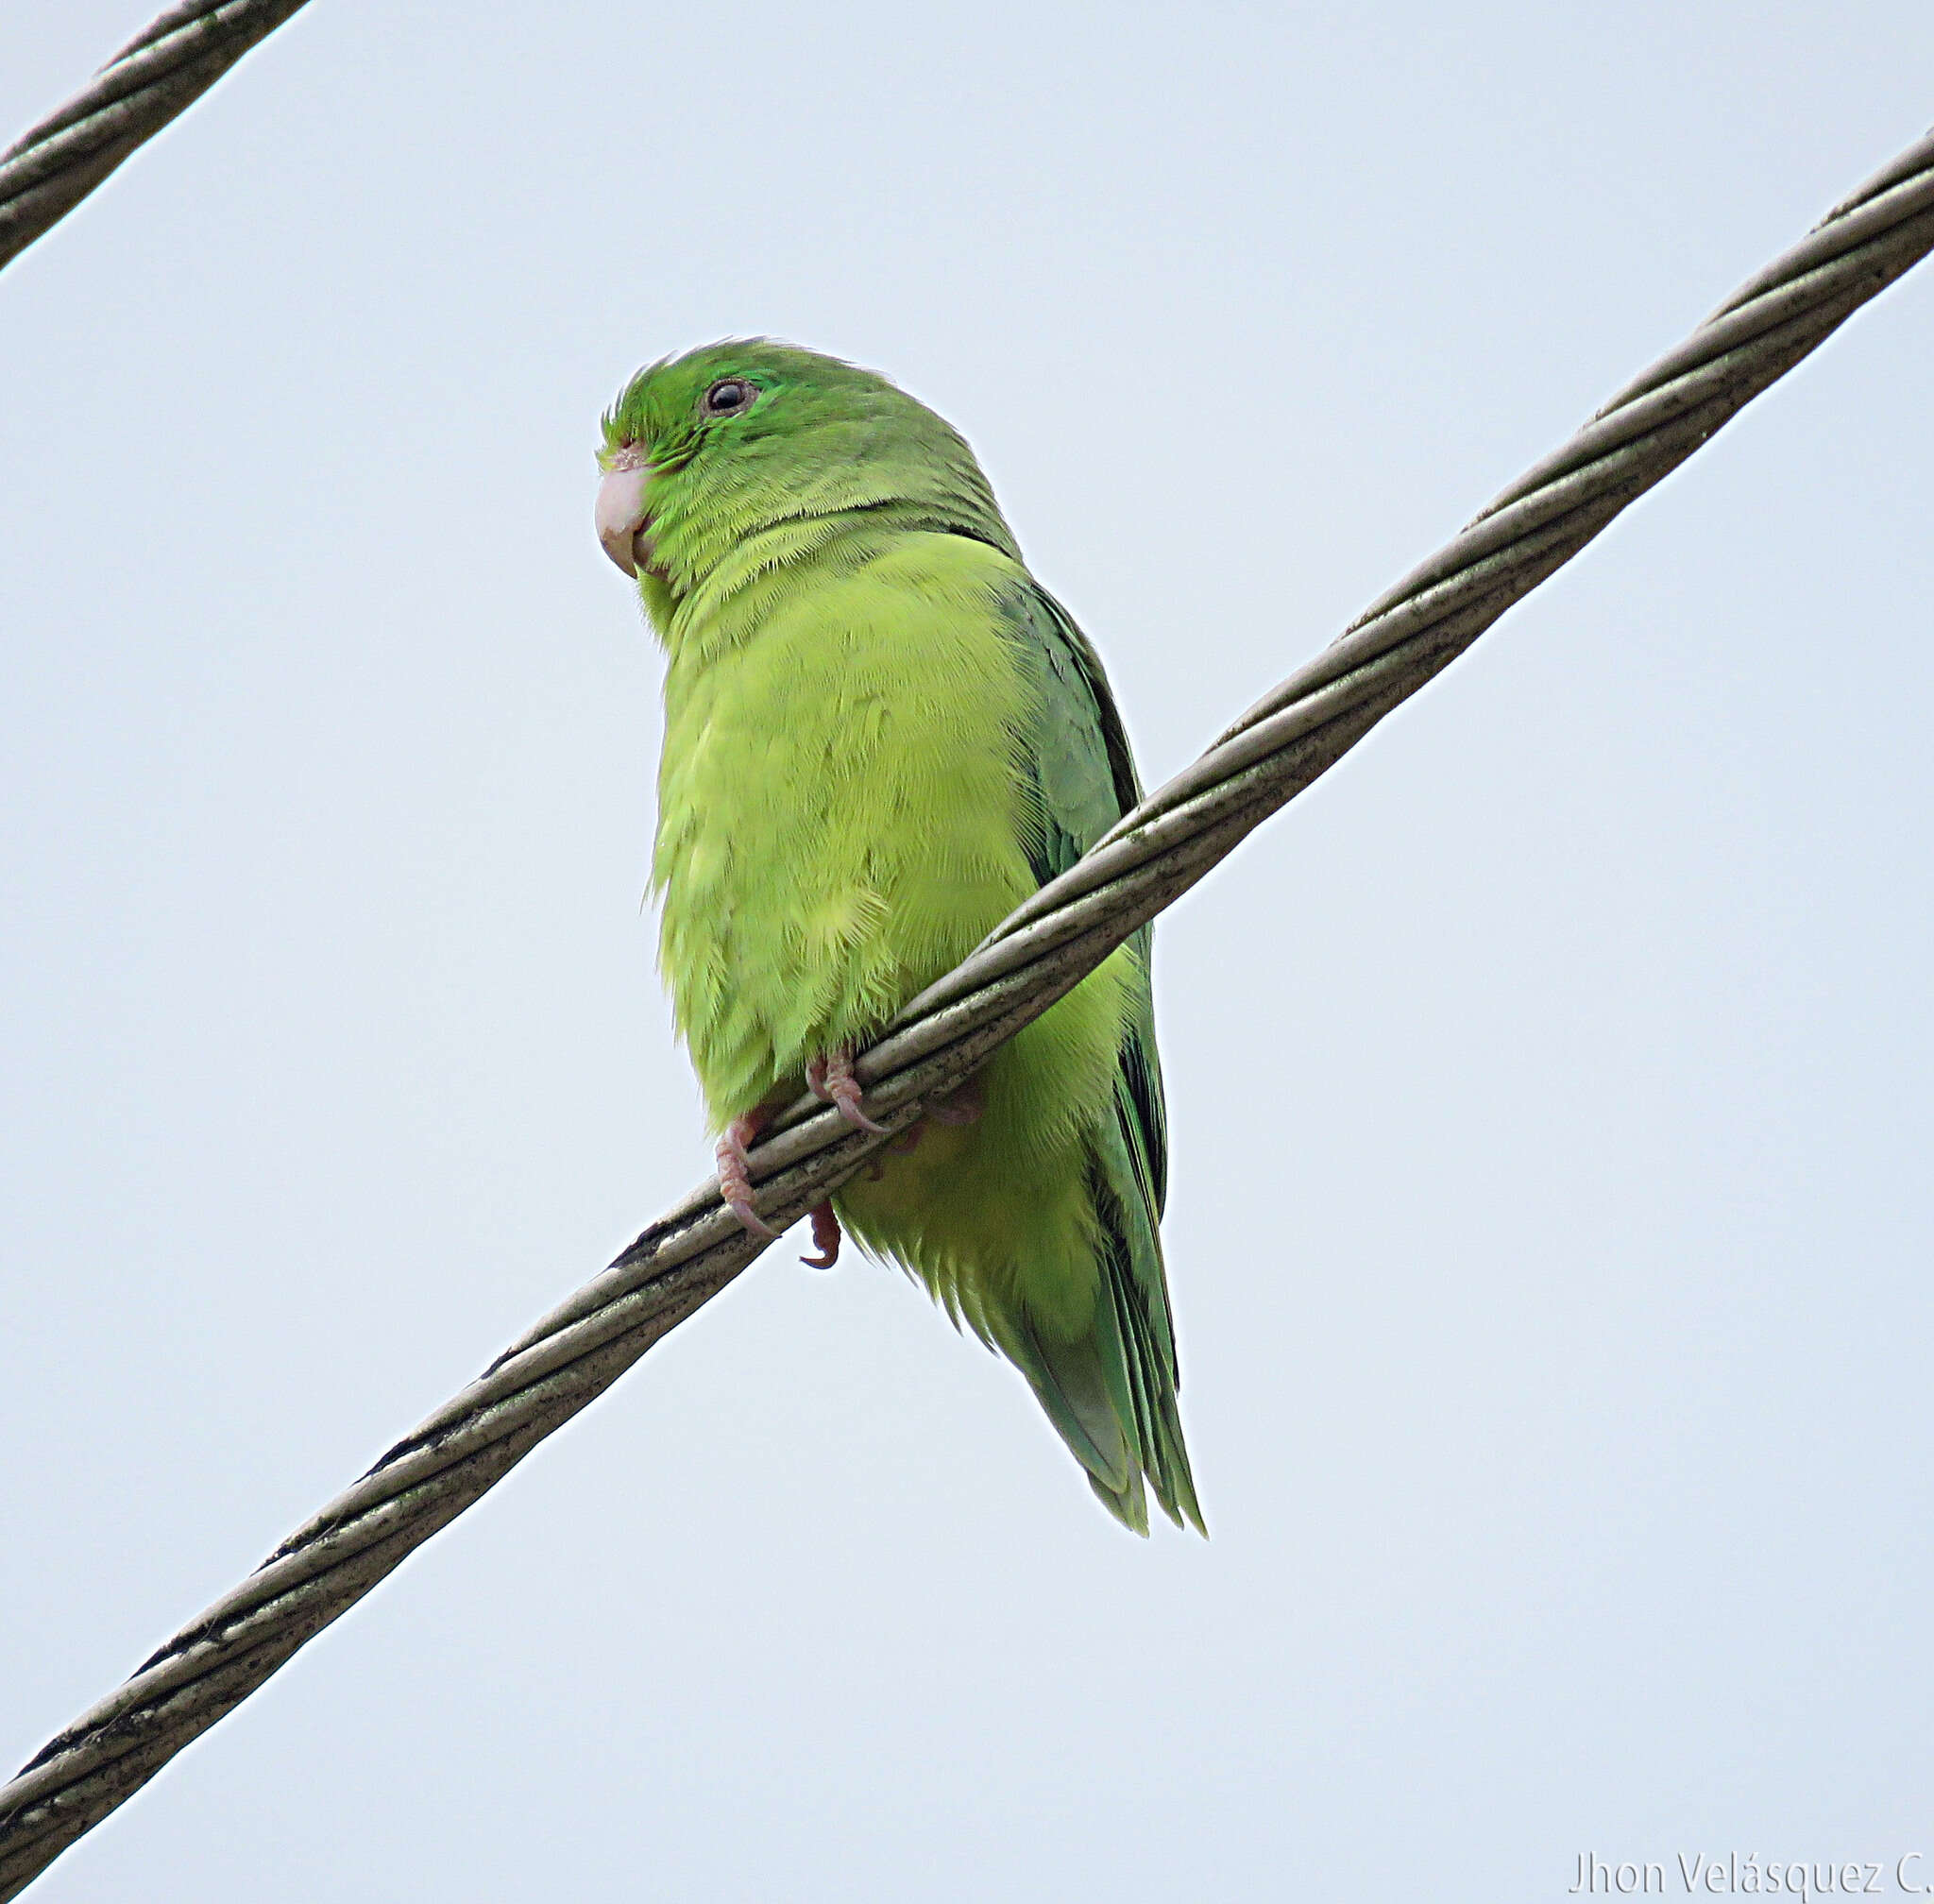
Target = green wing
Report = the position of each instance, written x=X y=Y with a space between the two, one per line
x=1113 y=1395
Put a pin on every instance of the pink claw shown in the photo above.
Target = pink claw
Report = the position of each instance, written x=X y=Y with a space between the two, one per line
x=831 y=1080
x=826 y=1237
x=734 y=1179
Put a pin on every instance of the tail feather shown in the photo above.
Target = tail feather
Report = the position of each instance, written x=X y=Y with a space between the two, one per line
x=1129 y=1504
x=1071 y=1388
x=1158 y=1420
x=1110 y=1391
x=1136 y=1277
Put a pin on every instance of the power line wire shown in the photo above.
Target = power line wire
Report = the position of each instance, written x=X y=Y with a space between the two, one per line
x=50 y=168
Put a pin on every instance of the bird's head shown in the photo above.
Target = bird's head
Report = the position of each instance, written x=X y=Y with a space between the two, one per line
x=705 y=451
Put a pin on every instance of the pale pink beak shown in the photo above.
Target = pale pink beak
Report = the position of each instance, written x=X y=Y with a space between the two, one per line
x=621 y=513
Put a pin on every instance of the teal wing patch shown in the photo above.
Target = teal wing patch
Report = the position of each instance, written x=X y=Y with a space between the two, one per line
x=1076 y=755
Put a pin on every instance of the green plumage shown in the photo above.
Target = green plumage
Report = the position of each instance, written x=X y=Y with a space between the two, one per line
x=881 y=734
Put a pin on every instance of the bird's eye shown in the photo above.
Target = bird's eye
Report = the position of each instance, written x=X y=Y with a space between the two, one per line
x=728 y=396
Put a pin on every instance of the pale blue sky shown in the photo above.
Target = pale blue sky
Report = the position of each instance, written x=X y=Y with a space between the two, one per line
x=1550 y=1088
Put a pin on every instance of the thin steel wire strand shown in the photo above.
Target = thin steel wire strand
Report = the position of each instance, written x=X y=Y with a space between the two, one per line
x=50 y=168
x=1045 y=947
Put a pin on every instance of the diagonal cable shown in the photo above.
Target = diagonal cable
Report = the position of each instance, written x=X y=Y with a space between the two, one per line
x=1046 y=946
x=50 y=168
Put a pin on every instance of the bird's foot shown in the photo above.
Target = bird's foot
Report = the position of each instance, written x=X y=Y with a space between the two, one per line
x=734 y=1179
x=826 y=1237
x=831 y=1080
x=962 y=1105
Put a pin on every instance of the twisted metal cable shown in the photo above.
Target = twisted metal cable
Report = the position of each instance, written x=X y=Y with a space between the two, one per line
x=1034 y=957
x=49 y=169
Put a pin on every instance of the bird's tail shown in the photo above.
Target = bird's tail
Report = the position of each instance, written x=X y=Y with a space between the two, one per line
x=1110 y=1391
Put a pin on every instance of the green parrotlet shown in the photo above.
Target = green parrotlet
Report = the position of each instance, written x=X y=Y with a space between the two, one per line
x=881 y=735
